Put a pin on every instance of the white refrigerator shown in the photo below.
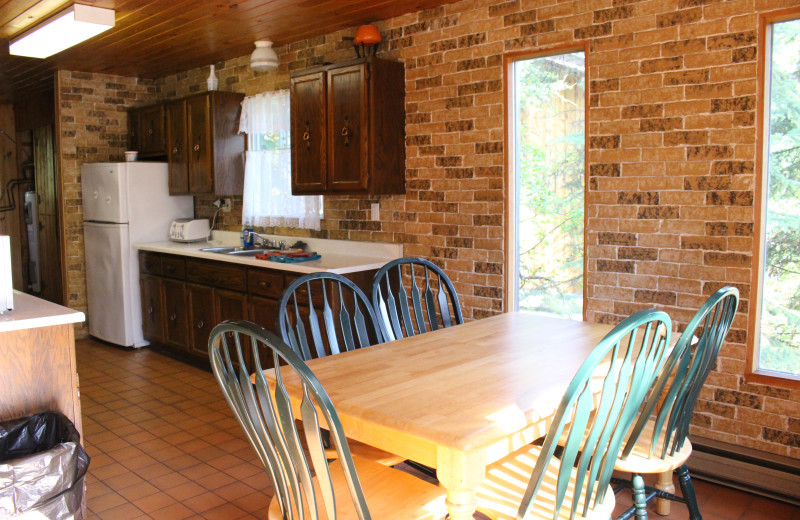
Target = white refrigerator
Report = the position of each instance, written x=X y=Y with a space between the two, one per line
x=123 y=204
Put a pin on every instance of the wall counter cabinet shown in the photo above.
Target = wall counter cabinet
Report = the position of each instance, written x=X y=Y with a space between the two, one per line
x=37 y=346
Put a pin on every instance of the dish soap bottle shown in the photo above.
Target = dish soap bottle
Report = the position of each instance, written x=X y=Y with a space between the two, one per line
x=212 y=80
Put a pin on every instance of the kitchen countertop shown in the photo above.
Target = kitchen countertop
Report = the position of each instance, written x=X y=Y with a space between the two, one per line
x=30 y=312
x=360 y=256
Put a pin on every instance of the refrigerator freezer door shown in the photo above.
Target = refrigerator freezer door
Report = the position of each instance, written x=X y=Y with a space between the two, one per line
x=104 y=186
x=114 y=313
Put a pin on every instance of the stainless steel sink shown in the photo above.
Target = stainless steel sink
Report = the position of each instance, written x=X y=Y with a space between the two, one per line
x=219 y=249
x=246 y=252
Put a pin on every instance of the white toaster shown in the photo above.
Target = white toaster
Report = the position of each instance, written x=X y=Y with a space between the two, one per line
x=189 y=230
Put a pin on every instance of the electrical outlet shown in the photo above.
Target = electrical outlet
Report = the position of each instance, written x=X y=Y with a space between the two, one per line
x=375 y=211
x=226 y=205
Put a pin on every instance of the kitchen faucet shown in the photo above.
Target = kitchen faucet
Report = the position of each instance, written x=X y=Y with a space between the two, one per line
x=266 y=241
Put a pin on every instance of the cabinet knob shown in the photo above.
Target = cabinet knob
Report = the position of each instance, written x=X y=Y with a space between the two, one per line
x=264 y=284
x=200 y=324
x=196 y=148
x=149 y=131
x=174 y=149
x=307 y=135
x=173 y=317
x=346 y=131
x=150 y=310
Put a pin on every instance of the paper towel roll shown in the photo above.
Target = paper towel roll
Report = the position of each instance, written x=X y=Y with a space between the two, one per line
x=6 y=282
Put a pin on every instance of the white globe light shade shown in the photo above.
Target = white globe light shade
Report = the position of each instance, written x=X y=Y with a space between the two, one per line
x=264 y=57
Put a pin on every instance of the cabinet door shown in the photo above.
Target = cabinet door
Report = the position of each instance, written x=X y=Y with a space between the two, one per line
x=263 y=312
x=176 y=331
x=201 y=158
x=133 y=130
x=308 y=118
x=347 y=129
x=178 y=151
x=152 y=309
x=151 y=133
x=201 y=317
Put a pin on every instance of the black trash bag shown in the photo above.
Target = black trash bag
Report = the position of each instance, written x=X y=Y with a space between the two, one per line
x=42 y=468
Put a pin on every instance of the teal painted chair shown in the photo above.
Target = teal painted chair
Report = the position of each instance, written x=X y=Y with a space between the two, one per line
x=306 y=484
x=658 y=443
x=568 y=475
x=325 y=313
x=430 y=303
x=321 y=314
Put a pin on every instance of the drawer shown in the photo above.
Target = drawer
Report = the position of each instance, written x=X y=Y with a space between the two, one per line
x=173 y=267
x=265 y=283
x=149 y=263
x=217 y=274
x=301 y=293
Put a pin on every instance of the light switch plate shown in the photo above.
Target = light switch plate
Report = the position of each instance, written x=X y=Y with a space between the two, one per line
x=375 y=211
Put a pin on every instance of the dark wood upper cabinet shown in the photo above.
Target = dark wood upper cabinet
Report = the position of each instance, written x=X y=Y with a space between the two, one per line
x=204 y=139
x=146 y=131
x=348 y=129
x=199 y=136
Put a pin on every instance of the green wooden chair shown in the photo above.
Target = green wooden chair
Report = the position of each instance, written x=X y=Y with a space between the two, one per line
x=419 y=310
x=657 y=442
x=321 y=314
x=325 y=313
x=307 y=485
x=568 y=475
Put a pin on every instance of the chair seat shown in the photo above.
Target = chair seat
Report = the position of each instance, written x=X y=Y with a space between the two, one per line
x=507 y=479
x=390 y=494
x=640 y=461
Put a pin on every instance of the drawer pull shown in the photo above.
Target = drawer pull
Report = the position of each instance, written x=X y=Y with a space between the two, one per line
x=264 y=284
x=201 y=324
x=170 y=268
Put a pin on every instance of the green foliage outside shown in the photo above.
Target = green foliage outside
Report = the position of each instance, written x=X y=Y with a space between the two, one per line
x=550 y=112
x=780 y=312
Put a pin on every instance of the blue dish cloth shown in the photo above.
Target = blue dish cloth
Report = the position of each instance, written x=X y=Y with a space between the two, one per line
x=286 y=259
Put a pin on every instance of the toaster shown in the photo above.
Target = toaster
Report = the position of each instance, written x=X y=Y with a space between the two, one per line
x=189 y=230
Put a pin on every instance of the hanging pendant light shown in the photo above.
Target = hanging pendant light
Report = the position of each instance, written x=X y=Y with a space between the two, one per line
x=264 y=57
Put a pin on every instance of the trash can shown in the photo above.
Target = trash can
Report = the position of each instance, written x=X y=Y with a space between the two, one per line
x=42 y=467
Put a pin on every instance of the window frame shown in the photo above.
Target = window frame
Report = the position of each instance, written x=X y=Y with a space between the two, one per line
x=510 y=203
x=754 y=374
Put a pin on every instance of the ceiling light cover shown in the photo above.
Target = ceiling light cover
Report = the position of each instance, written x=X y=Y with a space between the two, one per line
x=67 y=28
x=264 y=57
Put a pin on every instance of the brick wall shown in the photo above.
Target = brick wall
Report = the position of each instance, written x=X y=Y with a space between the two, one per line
x=91 y=126
x=672 y=144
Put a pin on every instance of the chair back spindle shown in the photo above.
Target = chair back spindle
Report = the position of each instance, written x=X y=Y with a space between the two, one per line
x=430 y=303
x=320 y=314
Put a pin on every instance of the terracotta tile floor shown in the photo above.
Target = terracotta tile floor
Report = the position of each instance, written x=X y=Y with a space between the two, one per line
x=164 y=446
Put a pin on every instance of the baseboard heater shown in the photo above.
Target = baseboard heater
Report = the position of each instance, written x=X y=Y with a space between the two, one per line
x=750 y=470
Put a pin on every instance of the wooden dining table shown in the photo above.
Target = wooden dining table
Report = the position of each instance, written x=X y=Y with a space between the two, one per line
x=460 y=398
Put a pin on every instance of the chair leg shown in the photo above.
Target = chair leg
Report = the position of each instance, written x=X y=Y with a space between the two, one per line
x=639 y=496
x=687 y=489
x=664 y=484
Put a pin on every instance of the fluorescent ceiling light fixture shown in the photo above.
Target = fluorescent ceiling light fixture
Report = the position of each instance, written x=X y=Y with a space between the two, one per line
x=67 y=28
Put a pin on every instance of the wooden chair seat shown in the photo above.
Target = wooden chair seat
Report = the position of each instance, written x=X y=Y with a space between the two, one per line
x=390 y=494
x=507 y=479
x=640 y=461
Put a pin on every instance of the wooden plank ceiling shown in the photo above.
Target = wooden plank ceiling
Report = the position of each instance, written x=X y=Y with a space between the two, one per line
x=155 y=38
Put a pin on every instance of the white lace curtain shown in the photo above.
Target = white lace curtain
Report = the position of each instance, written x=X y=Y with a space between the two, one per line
x=268 y=199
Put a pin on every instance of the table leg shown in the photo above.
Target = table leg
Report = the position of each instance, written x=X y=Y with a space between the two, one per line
x=460 y=473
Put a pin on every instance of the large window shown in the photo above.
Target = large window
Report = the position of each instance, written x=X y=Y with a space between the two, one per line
x=548 y=128
x=778 y=341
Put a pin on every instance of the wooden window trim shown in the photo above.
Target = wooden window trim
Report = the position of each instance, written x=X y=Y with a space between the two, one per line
x=753 y=374
x=509 y=213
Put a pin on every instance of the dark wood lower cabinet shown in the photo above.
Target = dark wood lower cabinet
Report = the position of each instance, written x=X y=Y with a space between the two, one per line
x=183 y=298
x=152 y=308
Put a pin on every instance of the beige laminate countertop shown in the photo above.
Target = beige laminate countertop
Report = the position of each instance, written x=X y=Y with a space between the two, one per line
x=338 y=256
x=30 y=312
